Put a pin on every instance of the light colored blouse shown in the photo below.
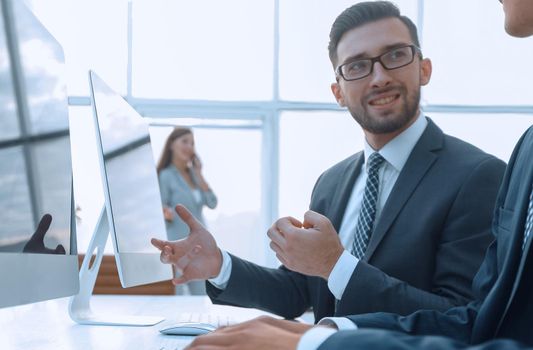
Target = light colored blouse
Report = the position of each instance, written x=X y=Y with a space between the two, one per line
x=175 y=190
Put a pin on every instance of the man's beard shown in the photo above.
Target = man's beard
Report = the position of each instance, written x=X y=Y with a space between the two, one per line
x=388 y=125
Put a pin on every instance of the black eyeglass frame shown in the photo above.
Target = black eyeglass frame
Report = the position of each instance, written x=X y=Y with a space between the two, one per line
x=414 y=50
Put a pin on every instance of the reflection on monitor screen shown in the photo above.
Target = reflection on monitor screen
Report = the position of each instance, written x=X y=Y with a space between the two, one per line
x=133 y=200
x=130 y=177
x=38 y=257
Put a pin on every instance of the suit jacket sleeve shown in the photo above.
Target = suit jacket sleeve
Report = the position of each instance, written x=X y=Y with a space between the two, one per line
x=379 y=339
x=466 y=228
x=278 y=291
x=456 y=323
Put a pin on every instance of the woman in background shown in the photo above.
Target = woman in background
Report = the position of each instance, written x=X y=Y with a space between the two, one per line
x=181 y=182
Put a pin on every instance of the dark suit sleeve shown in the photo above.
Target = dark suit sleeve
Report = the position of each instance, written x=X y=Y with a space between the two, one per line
x=378 y=339
x=456 y=323
x=278 y=291
x=465 y=232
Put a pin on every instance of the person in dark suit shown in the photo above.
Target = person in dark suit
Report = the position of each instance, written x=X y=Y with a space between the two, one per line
x=444 y=233
x=435 y=198
x=500 y=317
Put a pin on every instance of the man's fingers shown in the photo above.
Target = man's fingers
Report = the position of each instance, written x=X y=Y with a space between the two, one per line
x=276 y=236
x=276 y=248
x=216 y=340
x=180 y=280
x=294 y=221
x=314 y=219
x=185 y=260
x=159 y=244
x=166 y=255
x=281 y=258
x=188 y=218
x=288 y=225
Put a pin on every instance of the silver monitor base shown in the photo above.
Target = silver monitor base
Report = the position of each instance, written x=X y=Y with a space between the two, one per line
x=80 y=304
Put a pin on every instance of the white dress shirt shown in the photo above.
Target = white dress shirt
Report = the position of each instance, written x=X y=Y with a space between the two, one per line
x=396 y=152
x=314 y=337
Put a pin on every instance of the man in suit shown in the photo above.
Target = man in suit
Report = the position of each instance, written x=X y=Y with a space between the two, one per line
x=428 y=193
x=500 y=317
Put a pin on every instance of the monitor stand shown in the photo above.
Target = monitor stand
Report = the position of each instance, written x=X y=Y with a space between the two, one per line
x=80 y=304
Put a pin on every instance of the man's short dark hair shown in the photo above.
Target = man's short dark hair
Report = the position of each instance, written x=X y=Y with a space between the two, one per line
x=363 y=13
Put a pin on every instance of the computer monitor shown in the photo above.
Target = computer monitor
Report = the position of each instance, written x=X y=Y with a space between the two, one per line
x=133 y=210
x=131 y=189
x=38 y=256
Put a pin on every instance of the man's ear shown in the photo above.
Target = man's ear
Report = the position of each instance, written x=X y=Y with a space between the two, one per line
x=337 y=92
x=425 y=71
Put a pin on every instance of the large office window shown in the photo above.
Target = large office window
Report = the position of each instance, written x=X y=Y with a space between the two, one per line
x=8 y=110
x=470 y=53
x=35 y=141
x=253 y=80
x=328 y=138
x=210 y=50
x=94 y=35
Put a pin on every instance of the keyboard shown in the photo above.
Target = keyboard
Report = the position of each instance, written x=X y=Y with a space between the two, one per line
x=217 y=320
x=173 y=343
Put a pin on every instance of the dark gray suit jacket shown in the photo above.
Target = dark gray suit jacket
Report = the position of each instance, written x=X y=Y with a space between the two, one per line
x=501 y=316
x=423 y=254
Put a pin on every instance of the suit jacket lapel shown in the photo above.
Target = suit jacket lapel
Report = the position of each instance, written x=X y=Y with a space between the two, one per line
x=523 y=202
x=525 y=173
x=418 y=163
x=344 y=190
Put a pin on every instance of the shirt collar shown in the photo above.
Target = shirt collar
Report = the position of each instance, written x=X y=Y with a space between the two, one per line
x=397 y=150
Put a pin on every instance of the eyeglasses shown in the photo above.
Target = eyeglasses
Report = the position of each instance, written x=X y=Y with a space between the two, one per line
x=393 y=59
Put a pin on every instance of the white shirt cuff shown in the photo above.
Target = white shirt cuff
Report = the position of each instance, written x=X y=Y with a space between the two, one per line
x=342 y=323
x=314 y=337
x=341 y=274
x=221 y=281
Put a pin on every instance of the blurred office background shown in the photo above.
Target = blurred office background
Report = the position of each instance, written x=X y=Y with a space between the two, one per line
x=253 y=80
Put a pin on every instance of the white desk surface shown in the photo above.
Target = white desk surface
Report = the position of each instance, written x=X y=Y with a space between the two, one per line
x=47 y=325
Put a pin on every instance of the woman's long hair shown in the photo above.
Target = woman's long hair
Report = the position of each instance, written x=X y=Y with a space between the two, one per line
x=166 y=155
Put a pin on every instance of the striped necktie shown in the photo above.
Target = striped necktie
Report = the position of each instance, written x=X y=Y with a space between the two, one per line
x=367 y=214
x=529 y=220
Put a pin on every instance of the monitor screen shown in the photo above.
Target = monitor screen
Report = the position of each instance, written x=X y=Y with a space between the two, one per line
x=132 y=196
x=38 y=257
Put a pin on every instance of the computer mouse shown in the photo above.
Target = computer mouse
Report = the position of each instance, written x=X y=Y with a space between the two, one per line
x=188 y=328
